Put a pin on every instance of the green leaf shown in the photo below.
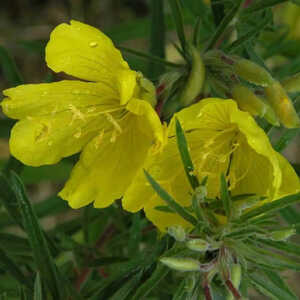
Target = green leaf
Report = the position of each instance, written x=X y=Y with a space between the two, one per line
x=38 y=292
x=218 y=11
x=286 y=137
x=291 y=216
x=288 y=247
x=178 y=19
x=170 y=201
x=185 y=156
x=269 y=288
x=248 y=36
x=41 y=252
x=151 y=58
x=156 y=277
x=271 y=207
x=11 y=267
x=9 y=200
x=127 y=288
x=224 y=24
x=279 y=282
x=225 y=196
x=15 y=245
x=157 y=37
x=260 y=5
x=9 y=68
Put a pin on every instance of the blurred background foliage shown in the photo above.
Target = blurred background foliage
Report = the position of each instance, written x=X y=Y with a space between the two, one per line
x=92 y=248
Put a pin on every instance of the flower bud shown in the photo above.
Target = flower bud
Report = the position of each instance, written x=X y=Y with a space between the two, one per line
x=195 y=79
x=282 y=105
x=147 y=90
x=282 y=235
x=198 y=245
x=235 y=276
x=183 y=264
x=252 y=72
x=248 y=101
x=292 y=84
x=177 y=232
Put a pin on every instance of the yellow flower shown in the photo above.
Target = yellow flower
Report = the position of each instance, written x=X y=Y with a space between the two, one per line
x=222 y=139
x=108 y=116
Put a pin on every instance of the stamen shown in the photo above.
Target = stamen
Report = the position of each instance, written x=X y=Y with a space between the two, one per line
x=111 y=119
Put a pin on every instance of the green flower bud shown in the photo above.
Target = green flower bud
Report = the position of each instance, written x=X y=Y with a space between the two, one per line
x=198 y=245
x=248 y=101
x=147 y=91
x=252 y=72
x=282 y=105
x=177 y=232
x=182 y=264
x=195 y=79
x=282 y=235
x=292 y=84
x=235 y=276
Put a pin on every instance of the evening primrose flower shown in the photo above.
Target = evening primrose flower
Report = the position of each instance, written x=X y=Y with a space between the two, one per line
x=109 y=116
x=222 y=139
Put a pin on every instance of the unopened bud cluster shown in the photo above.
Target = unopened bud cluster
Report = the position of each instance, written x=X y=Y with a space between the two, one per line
x=249 y=84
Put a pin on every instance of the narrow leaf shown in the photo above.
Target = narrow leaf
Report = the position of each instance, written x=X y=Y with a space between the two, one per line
x=260 y=5
x=38 y=294
x=157 y=37
x=287 y=136
x=185 y=156
x=150 y=58
x=271 y=207
x=41 y=252
x=170 y=201
x=178 y=19
x=159 y=274
x=224 y=24
x=127 y=288
x=225 y=197
x=14 y=270
x=279 y=282
x=9 y=68
x=268 y=288
x=218 y=11
x=288 y=247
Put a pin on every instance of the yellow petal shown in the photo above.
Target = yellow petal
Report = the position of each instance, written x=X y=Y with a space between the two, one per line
x=46 y=140
x=31 y=100
x=106 y=168
x=290 y=181
x=148 y=119
x=83 y=51
x=58 y=119
x=126 y=81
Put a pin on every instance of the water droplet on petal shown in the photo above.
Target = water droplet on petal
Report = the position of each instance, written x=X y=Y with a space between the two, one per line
x=93 y=44
x=45 y=93
x=50 y=143
x=77 y=135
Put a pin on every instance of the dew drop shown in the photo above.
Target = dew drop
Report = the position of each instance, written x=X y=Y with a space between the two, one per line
x=77 y=135
x=45 y=93
x=93 y=44
x=50 y=143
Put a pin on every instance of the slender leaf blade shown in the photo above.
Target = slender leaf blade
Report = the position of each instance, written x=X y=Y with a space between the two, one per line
x=41 y=252
x=170 y=201
x=271 y=207
x=185 y=155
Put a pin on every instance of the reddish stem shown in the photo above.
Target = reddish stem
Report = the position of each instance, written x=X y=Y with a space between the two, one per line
x=233 y=290
x=247 y=3
x=207 y=292
x=82 y=277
